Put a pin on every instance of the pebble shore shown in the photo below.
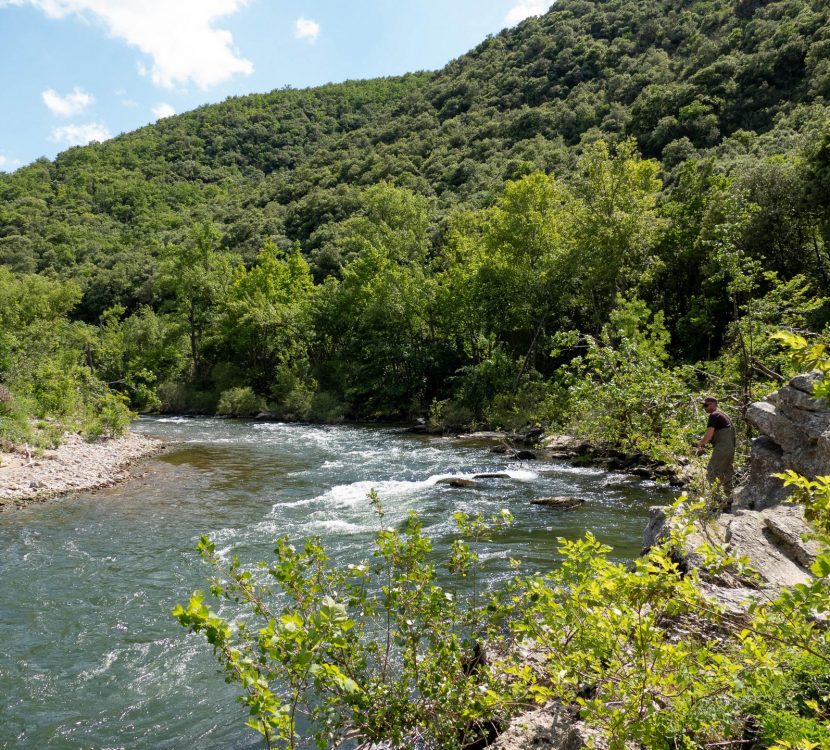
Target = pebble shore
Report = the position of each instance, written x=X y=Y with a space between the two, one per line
x=76 y=465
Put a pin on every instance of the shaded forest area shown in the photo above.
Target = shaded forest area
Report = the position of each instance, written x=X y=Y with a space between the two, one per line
x=584 y=222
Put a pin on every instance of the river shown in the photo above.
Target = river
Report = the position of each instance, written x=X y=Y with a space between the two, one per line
x=90 y=656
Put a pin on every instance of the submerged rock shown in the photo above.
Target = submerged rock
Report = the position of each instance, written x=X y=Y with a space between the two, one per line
x=492 y=475
x=457 y=482
x=524 y=456
x=559 y=502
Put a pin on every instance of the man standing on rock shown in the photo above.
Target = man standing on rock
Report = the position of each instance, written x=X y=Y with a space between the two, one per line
x=721 y=434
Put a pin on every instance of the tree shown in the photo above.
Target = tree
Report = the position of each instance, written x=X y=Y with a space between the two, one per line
x=195 y=275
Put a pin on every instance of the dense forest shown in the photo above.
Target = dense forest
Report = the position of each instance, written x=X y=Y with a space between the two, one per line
x=582 y=222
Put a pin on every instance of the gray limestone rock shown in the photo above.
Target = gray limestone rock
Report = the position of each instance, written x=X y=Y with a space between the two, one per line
x=795 y=434
x=788 y=530
x=748 y=537
x=764 y=417
x=763 y=490
x=552 y=727
x=566 y=443
x=657 y=528
x=805 y=382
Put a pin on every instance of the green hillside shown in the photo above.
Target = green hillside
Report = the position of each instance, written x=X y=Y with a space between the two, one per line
x=373 y=248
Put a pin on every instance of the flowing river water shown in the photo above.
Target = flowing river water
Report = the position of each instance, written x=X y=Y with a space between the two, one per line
x=89 y=654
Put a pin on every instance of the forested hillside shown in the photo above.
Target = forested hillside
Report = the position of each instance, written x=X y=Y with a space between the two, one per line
x=608 y=206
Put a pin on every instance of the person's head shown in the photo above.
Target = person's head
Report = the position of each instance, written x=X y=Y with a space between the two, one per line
x=710 y=403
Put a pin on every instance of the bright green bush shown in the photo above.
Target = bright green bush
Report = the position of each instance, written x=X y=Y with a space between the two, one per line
x=326 y=407
x=382 y=652
x=450 y=415
x=624 y=394
x=182 y=398
x=111 y=417
x=240 y=402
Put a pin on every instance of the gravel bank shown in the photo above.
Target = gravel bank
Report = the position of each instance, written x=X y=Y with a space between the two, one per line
x=74 y=466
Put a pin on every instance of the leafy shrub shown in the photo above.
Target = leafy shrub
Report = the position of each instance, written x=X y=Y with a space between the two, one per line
x=379 y=651
x=181 y=398
x=624 y=394
x=450 y=415
x=296 y=403
x=326 y=407
x=14 y=422
x=240 y=402
x=111 y=417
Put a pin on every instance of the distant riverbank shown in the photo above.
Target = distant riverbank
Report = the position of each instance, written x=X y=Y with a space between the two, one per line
x=74 y=466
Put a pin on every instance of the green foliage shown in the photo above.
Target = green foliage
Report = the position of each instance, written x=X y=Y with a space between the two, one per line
x=44 y=367
x=429 y=238
x=624 y=394
x=240 y=402
x=807 y=355
x=379 y=651
x=382 y=652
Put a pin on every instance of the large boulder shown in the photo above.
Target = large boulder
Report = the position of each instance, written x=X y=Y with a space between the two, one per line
x=795 y=434
x=776 y=543
x=559 y=502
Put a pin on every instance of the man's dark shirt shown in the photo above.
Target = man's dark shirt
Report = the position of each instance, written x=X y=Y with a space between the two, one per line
x=718 y=420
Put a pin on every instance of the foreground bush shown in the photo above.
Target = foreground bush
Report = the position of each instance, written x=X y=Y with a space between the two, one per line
x=383 y=652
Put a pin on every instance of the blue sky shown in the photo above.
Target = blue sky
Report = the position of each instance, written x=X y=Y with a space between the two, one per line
x=72 y=71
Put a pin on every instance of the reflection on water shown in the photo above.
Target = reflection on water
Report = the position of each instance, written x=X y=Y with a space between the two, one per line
x=91 y=657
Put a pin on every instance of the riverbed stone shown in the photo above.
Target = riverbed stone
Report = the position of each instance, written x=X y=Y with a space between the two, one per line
x=524 y=455
x=73 y=466
x=457 y=482
x=559 y=502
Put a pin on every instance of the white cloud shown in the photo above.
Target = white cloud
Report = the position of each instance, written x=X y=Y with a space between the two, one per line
x=80 y=135
x=7 y=164
x=72 y=103
x=162 y=110
x=525 y=9
x=179 y=36
x=305 y=28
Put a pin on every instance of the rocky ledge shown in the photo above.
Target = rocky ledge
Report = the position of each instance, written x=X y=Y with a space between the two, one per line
x=770 y=535
x=74 y=466
x=795 y=434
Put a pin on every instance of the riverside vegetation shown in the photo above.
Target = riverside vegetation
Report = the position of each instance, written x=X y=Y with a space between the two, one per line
x=584 y=223
x=382 y=653
x=581 y=222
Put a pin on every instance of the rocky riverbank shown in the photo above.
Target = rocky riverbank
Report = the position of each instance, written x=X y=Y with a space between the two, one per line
x=773 y=537
x=536 y=444
x=74 y=466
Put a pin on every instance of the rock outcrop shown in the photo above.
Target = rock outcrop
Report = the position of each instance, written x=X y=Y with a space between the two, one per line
x=795 y=434
x=551 y=727
x=772 y=541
